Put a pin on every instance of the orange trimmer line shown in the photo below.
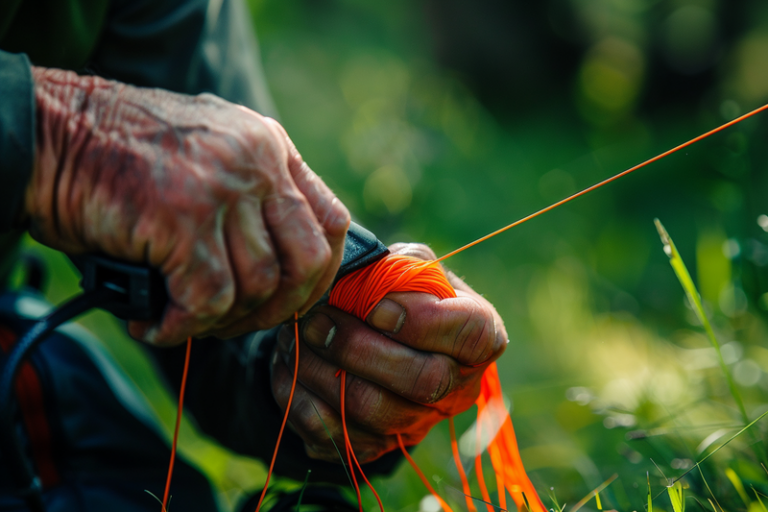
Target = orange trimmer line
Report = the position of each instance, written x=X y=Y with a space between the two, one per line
x=460 y=467
x=350 y=452
x=424 y=480
x=179 y=411
x=605 y=182
x=287 y=410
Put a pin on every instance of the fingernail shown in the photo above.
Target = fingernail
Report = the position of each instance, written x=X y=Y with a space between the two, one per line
x=319 y=330
x=388 y=315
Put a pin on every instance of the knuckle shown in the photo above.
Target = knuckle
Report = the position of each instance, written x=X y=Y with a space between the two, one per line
x=282 y=206
x=308 y=422
x=316 y=259
x=477 y=337
x=212 y=299
x=319 y=453
x=365 y=403
x=262 y=281
x=433 y=382
x=311 y=369
x=370 y=453
x=499 y=341
x=341 y=217
x=334 y=216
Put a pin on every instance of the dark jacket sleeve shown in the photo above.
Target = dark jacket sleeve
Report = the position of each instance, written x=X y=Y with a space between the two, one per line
x=17 y=135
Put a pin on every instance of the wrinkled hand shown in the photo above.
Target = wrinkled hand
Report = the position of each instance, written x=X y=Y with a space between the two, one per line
x=212 y=194
x=413 y=362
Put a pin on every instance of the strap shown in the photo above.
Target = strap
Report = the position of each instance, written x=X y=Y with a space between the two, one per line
x=361 y=248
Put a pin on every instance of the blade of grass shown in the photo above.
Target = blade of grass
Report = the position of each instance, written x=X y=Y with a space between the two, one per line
x=677 y=497
x=164 y=508
x=737 y=434
x=681 y=271
x=454 y=491
x=710 y=491
x=328 y=432
x=661 y=472
x=557 y=507
x=592 y=494
x=650 y=499
x=301 y=494
x=736 y=481
x=701 y=505
x=757 y=495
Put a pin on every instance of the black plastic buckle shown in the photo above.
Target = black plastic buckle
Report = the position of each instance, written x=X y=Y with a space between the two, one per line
x=142 y=293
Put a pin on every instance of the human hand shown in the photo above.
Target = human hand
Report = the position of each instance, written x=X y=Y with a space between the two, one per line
x=212 y=194
x=413 y=362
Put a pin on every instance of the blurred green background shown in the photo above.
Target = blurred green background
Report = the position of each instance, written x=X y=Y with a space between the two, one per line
x=439 y=121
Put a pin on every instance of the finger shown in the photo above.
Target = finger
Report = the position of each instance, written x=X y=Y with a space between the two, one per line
x=332 y=215
x=255 y=267
x=200 y=288
x=463 y=328
x=368 y=405
x=346 y=342
x=317 y=423
x=300 y=244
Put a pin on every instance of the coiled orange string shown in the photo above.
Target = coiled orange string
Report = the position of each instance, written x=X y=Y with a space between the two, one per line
x=359 y=292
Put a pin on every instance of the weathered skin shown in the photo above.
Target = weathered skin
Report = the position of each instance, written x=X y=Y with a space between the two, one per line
x=405 y=373
x=214 y=195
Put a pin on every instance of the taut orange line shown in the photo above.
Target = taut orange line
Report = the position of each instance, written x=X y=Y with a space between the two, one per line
x=460 y=467
x=443 y=504
x=287 y=409
x=605 y=182
x=179 y=412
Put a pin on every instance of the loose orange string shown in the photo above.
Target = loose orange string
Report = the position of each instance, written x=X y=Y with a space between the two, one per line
x=479 y=467
x=179 y=411
x=424 y=480
x=287 y=410
x=497 y=461
x=350 y=451
x=460 y=466
x=347 y=444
